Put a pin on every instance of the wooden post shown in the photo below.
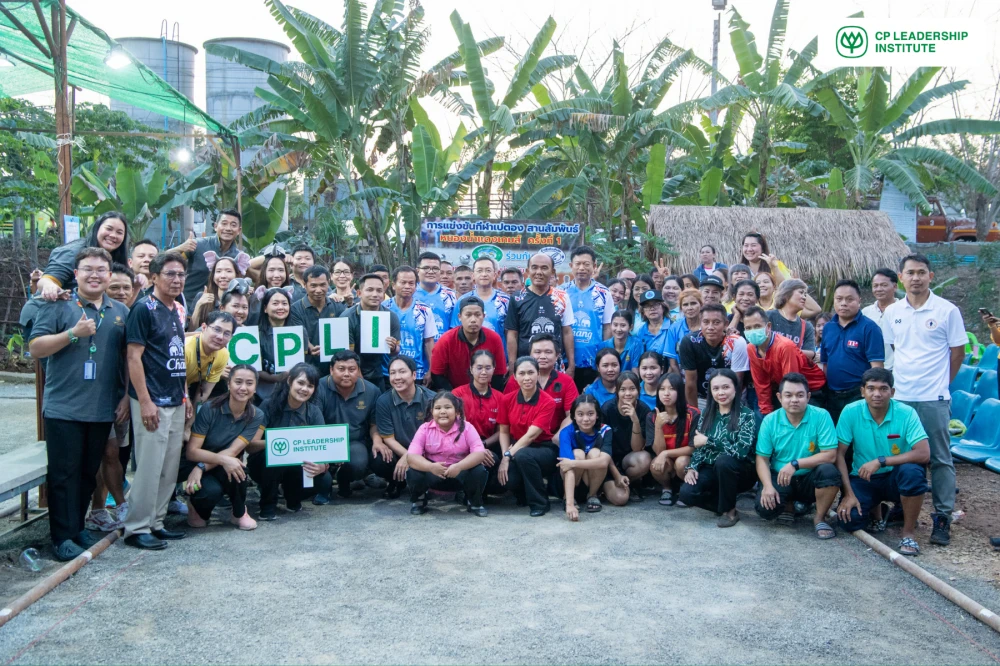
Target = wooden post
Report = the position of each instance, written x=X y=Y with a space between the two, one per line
x=239 y=185
x=64 y=132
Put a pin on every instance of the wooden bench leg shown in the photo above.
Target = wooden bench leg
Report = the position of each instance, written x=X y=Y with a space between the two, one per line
x=24 y=506
x=43 y=496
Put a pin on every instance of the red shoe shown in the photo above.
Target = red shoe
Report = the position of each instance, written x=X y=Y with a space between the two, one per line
x=244 y=522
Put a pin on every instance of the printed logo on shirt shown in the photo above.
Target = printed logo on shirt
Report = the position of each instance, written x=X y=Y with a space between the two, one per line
x=176 y=364
x=895 y=449
x=361 y=404
x=542 y=325
x=118 y=321
x=812 y=447
x=853 y=344
x=930 y=324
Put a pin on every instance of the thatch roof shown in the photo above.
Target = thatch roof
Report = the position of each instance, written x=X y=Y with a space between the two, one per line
x=813 y=242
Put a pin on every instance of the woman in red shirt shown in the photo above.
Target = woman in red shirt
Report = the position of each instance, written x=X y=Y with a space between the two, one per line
x=672 y=423
x=525 y=423
x=482 y=407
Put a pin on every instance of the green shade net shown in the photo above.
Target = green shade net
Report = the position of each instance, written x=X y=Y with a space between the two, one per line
x=134 y=84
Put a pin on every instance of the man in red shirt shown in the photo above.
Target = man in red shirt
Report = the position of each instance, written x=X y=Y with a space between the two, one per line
x=558 y=385
x=453 y=351
x=772 y=357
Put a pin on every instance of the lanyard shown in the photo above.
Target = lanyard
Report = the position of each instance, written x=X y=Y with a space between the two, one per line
x=93 y=347
x=197 y=349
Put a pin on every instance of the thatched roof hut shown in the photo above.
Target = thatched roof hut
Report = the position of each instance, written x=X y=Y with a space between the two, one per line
x=813 y=242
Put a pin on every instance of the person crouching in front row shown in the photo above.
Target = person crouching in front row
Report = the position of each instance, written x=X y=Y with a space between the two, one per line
x=446 y=453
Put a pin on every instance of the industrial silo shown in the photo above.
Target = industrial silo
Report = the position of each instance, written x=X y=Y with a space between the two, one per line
x=173 y=62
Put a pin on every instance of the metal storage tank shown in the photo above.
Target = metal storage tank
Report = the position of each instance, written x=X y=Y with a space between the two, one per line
x=179 y=72
x=229 y=86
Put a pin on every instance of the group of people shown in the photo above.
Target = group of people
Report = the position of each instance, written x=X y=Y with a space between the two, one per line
x=697 y=387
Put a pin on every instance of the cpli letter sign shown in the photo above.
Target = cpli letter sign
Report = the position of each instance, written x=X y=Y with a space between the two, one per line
x=289 y=347
x=334 y=337
x=244 y=347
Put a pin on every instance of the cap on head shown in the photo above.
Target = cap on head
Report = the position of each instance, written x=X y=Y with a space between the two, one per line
x=712 y=281
x=650 y=296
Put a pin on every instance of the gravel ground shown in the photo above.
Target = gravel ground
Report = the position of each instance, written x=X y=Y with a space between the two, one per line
x=365 y=582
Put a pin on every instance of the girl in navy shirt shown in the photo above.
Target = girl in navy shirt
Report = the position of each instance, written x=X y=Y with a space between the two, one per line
x=585 y=455
x=671 y=424
x=609 y=366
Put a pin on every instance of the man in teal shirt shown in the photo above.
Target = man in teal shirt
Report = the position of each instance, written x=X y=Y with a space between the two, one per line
x=796 y=452
x=890 y=451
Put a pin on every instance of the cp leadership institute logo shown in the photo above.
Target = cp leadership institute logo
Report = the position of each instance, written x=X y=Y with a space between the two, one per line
x=279 y=447
x=852 y=41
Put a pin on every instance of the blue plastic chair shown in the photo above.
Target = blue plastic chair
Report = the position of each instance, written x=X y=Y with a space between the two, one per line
x=986 y=386
x=989 y=358
x=963 y=405
x=968 y=359
x=993 y=464
x=965 y=380
x=982 y=440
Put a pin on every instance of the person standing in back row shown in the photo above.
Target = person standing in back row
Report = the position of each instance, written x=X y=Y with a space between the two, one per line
x=228 y=226
x=157 y=376
x=541 y=309
x=432 y=293
x=592 y=312
x=884 y=289
x=928 y=338
x=83 y=339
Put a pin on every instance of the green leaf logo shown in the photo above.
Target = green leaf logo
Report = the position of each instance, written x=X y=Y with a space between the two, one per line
x=852 y=41
x=280 y=447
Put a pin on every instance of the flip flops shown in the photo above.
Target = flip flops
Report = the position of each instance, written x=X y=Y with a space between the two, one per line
x=824 y=527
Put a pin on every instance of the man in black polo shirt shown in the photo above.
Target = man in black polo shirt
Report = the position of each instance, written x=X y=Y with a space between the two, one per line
x=157 y=378
x=710 y=348
x=348 y=398
x=228 y=227
x=374 y=367
x=398 y=413
x=308 y=311
x=83 y=339
x=540 y=309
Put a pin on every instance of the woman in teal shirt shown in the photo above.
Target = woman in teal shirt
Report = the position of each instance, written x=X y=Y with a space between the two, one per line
x=720 y=467
x=628 y=346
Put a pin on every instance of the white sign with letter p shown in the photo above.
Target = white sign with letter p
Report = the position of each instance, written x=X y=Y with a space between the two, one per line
x=289 y=347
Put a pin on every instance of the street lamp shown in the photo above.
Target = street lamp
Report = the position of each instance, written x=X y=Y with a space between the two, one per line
x=719 y=6
x=117 y=58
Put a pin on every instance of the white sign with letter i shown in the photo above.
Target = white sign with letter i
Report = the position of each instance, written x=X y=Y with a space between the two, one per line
x=374 y=331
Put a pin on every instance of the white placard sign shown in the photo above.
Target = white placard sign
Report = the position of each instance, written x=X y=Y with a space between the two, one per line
x=289 y=347
x=334 y=336
x=374 y=331
x=244 y=347
x=316 y=444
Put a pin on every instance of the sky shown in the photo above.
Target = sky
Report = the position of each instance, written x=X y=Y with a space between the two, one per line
x=586 y=28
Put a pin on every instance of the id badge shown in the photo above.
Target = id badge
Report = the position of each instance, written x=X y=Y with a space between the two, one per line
x=89 y=369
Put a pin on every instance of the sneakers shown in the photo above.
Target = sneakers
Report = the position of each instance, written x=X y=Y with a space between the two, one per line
x=375 y=481
x=67 y=551
x=941 y=532
x=121 y=513
x=177 y=507
x=268 y=513
x=244 y=522
x=101 y=521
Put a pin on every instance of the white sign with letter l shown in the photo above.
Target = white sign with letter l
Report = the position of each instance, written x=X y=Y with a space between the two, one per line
x=333 y=337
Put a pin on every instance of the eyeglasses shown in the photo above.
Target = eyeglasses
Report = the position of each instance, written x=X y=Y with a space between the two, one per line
x=174 y=275
x=430 y=269
x=342 y=272
x=99 y=272
x=480 y=369
x=218 y=331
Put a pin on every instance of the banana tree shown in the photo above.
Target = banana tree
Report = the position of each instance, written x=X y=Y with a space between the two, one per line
x=762 y=90
x=141 y=195
x=873 y=127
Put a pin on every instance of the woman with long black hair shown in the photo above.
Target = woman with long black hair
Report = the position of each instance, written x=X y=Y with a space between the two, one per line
x=672 y=423
x=274 y=309
x=290 y=406
x=626 y=416
x=110 y=232
x=213 y=457
x=721 y=467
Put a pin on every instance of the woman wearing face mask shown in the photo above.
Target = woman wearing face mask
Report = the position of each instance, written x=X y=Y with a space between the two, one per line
x=608 y=368
x=222 y=271
x=689 y=323
x=628 y=346
x=585 y=456
x=720 y=467
x=212 y=465
x=446 y=454
x=626 y=416
x=525 y=422
x=650 y=371
x=290 y=406
x=274 y=309
x=672 y=422
x=793 y=306
x=671 y=291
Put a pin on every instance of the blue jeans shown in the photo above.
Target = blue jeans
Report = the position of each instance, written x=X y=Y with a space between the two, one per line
x=909 y=480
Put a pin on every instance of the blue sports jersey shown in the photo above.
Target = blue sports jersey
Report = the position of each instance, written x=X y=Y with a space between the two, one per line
x=648 y=400
x=674 y=336
x=589 y=307
x=633 y=350
x=650 y=342
x=441 y=302
x=414 y=322
x=496 y=312
x=598 y=391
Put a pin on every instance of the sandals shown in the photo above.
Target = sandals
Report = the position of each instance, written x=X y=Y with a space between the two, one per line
x=824 y=527
x=594 y=505
x=909 y=547
x=668 y=498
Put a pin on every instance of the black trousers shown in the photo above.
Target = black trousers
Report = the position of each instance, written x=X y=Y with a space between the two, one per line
x=472 y=481
x=801 y=489
x=837 y=400
x=583 y=377
x=361 y=458
x=74 y=451
x=214 y=484
x=493 y=486
x=379 y=467
x=529 y=469
x=290 y=480
x=719 y=484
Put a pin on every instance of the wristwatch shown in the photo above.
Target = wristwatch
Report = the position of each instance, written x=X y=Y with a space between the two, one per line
x=507 y=454
x=881 y=461
x=72 y=338
x=201 y=466
x=795 y=464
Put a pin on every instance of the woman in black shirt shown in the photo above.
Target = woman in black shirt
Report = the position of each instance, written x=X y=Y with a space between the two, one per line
x=213 y=460
x=290 y=406
x=626 y=416
x=274 y=310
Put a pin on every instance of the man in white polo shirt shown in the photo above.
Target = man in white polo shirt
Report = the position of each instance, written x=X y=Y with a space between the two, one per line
x=928 y=338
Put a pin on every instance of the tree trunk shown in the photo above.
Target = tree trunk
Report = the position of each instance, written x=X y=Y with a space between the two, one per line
x=34 y=242
x=485 y=192
x=982 y=219
x=17 y=235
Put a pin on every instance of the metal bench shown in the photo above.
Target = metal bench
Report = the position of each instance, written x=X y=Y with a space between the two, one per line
x=20 y=471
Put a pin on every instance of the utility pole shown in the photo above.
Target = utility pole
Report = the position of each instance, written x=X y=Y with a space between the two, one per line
x=719 y=6
x=64 y=128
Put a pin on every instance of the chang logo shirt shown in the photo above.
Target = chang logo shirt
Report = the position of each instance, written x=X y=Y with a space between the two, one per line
x=592 y=309
x=416 y=324
x=441 y=301
x=160 y=330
